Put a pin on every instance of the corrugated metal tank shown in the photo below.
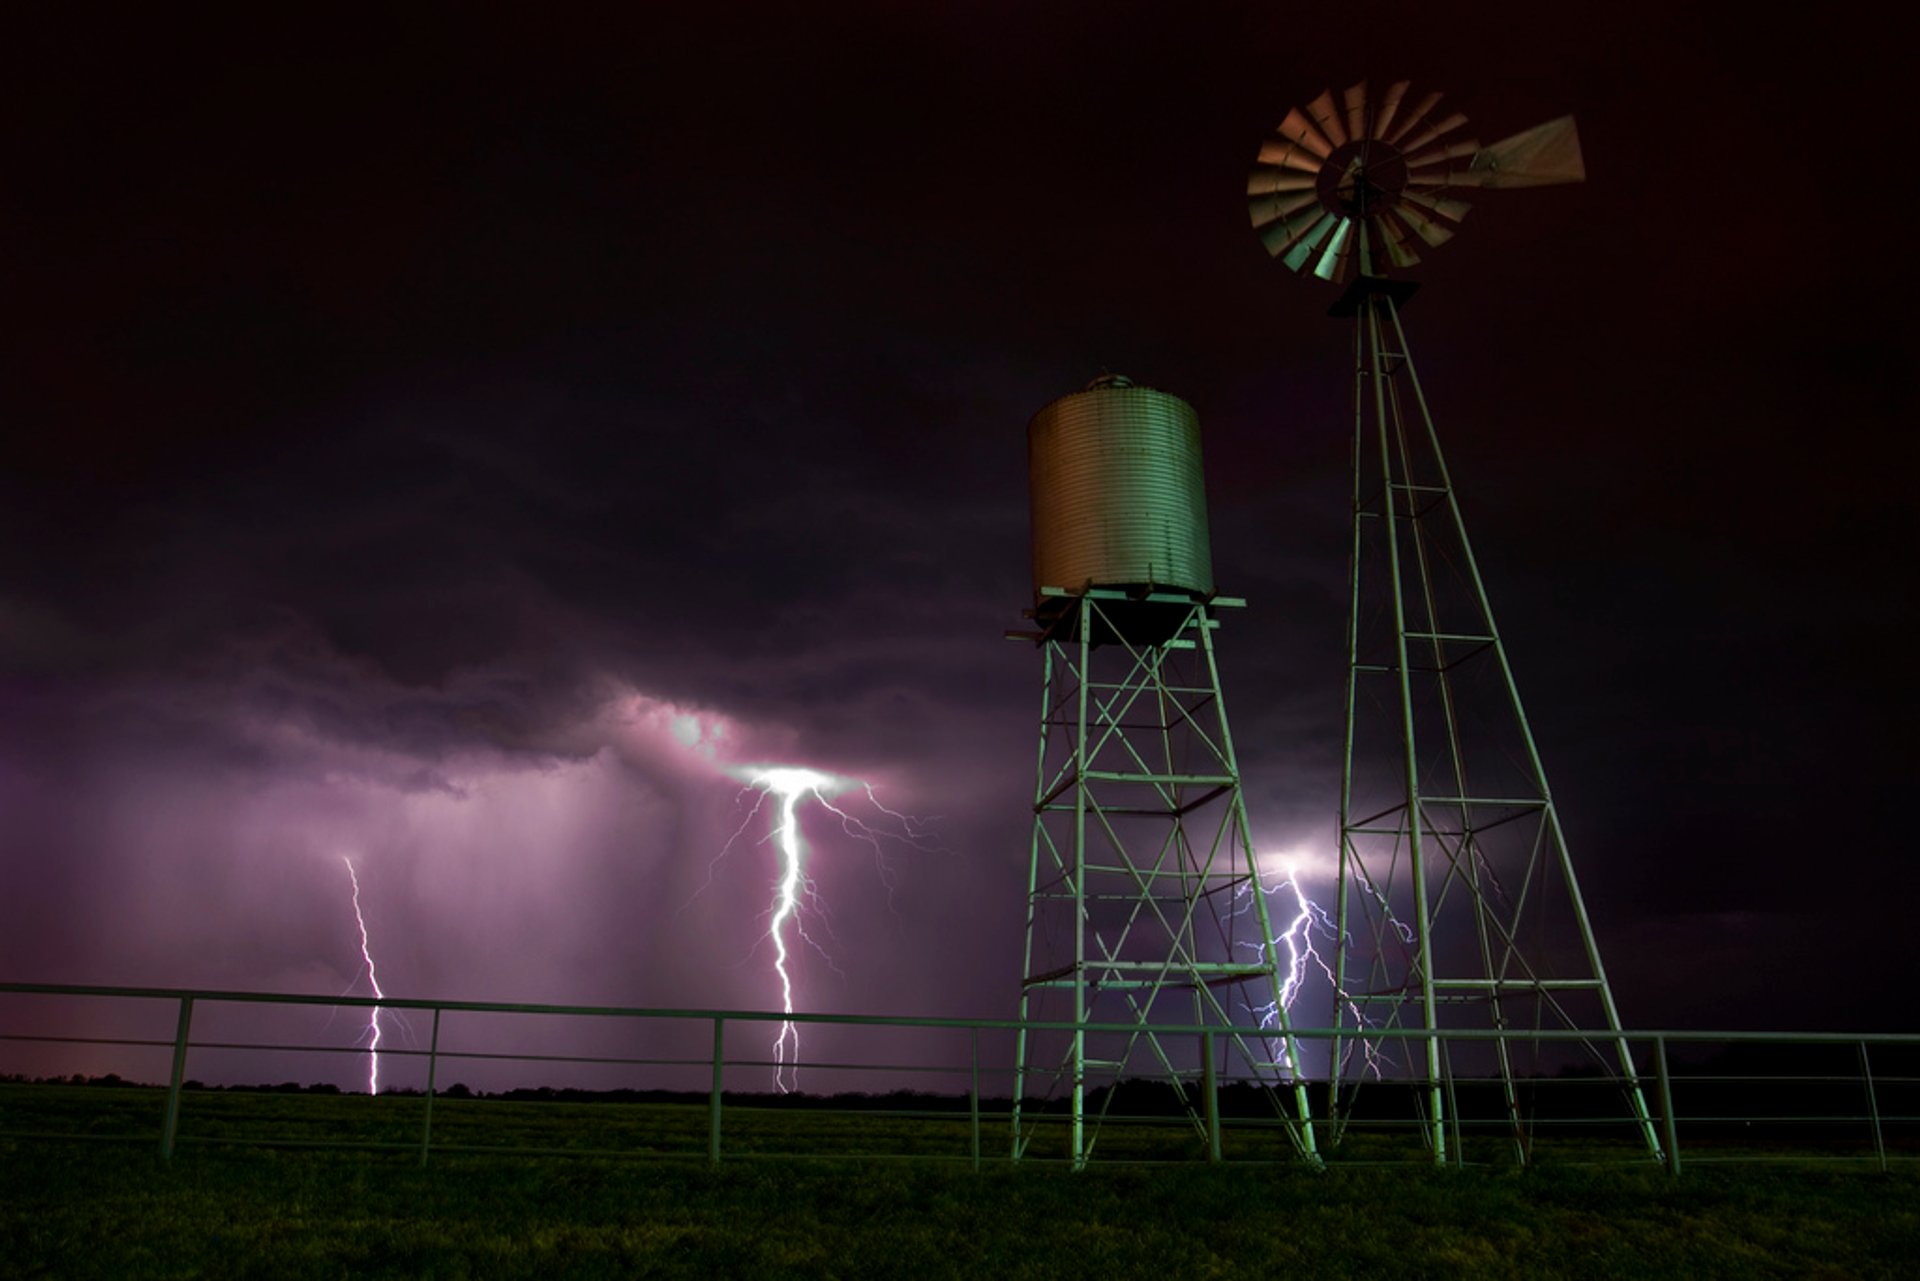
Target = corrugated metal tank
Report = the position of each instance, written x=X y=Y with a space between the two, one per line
x=1117 y=491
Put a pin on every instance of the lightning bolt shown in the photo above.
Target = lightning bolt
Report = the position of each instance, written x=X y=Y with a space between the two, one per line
x=366 y=955
x=790 y=784
x=1297 y=942
x=1297 y=938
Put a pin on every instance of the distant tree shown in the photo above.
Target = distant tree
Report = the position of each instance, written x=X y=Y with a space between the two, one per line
x=458 y=1090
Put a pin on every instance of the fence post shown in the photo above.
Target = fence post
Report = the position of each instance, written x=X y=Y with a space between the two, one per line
x=713 y=1100
x=170 y=1127
x=1453 y=1100
x=1210 y=1095
x=433 y=1063
x=973 y=1092
x=1873 y=1109
x=1670 y=1129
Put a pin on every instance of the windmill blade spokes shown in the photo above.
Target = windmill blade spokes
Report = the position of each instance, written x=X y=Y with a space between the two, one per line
x=1438 y=153
x=1412 y=119
x=1542 y=156
x=1414 y=144
x=1283 y=233
x=1333 y=259
x=1296 y=257
x=1355 y=100
x=1428 y=230
x=1395 y=235
x=1327 y=117
x=1297 y=128
x=1289 y=155
x=1442 y=177
x=1426 y=225
x=1437 y=206
x=1270 y=208
x=1264 y=181
x=1389 y=108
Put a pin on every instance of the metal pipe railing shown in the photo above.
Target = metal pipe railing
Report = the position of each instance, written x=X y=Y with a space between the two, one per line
x=1710 y=1126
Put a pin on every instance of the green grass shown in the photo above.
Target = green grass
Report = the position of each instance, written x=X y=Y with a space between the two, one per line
x=109 y=1209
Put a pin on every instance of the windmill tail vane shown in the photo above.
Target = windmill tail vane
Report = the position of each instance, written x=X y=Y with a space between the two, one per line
x=1353 y=182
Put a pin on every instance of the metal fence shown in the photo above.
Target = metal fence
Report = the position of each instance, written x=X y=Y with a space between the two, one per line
x=710 y=1085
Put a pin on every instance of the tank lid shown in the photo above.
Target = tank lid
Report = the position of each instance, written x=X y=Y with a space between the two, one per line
x=1111 y=380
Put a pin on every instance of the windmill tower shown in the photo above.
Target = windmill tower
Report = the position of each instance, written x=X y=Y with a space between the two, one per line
x=1145 y=916
x=1458 y=902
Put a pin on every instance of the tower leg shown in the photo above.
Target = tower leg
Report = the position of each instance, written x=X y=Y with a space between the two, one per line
x=1021 y=1138
x=1456 y=882
x=1142 y=881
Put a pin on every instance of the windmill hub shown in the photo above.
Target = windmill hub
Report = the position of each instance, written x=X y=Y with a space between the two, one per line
x=1362 y=178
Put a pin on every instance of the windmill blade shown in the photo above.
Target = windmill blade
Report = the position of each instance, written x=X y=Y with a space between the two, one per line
x=1424 y=227
x=1264 y=181
x=1539 y=157
x=1289 y=155
x=1286 y=235
x=1389 y=107
x=1297 y=128
x=1356 y=104
x=1328 y=118
x=1454 y=211
x=1442 y=177
x=1444 y=168
x=1434 y=155
x=1394 y=234
x=1333 y=259
x=1416 y=142
x=1412 y=119
x=1266 y=209
x=1296 y=257
x=1282 y=233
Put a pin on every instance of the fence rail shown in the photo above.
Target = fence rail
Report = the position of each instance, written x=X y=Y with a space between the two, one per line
x=698 y=1088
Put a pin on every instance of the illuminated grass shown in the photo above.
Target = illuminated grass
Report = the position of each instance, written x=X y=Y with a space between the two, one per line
x=109 y=1209
x=72 y=1210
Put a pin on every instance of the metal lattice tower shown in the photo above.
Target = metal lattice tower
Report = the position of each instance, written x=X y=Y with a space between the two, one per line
x=1458 y=901
x=1145 y=917
x=1456 y=884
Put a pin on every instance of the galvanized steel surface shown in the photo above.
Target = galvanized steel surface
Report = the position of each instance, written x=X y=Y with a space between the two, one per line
x=1117 y=492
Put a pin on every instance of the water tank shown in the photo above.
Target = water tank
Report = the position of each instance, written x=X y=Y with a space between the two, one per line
x=1117 y=492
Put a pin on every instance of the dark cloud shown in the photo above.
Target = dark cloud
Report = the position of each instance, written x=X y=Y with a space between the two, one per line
x=389 y=411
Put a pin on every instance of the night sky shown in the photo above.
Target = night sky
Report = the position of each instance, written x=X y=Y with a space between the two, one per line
x=448 y=439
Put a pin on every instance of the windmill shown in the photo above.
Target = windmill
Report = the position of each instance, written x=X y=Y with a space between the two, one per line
x=1458 y=902
x=1352 y=183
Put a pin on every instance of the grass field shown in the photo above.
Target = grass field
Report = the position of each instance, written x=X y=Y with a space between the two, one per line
x=109 y=1209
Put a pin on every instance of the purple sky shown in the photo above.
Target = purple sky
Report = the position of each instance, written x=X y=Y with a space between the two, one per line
x=406 y=420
